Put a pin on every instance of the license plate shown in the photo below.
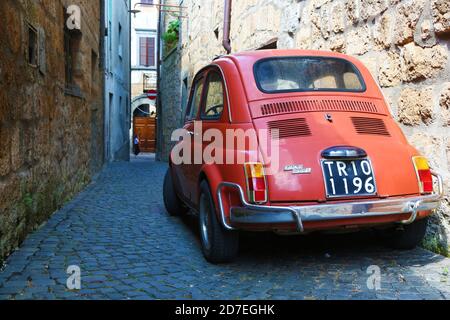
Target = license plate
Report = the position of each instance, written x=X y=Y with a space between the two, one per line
x=344 y=178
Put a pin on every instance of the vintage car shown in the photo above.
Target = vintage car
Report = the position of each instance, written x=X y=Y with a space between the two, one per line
x=343 y=162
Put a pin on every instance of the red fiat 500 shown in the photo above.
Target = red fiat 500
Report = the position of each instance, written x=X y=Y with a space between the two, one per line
x=294 y=142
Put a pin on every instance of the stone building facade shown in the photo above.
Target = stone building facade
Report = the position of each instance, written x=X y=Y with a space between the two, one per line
x=144 y=46
x=51 y=109
x=405 y=44
x=117 y=80
x=144 y=60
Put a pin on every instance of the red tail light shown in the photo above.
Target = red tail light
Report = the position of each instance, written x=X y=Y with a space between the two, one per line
x=256 y=182
x=423 y=174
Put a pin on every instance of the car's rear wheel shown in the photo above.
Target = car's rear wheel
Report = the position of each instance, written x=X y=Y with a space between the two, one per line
x=218 y=244
x=172 y=202
x=408 y=237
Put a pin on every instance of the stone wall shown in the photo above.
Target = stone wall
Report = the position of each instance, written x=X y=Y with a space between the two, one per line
x=405 y=44
x=51 y=141
x=172 y=90
x=169 y=103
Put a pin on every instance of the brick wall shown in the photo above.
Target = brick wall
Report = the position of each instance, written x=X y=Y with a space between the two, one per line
x=50 y=141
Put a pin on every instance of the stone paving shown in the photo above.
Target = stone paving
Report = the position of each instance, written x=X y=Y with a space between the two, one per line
x=127 y=247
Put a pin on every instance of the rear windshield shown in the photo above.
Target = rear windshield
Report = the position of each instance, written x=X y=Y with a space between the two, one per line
x=290 y=74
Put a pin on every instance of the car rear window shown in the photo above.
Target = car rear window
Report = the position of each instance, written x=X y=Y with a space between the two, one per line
x=291 y=74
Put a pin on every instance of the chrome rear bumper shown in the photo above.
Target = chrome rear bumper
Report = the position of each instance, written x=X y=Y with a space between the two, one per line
x=259 y=214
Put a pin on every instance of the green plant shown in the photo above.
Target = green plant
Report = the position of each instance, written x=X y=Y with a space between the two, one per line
x=445 y=271
x=28 y=201
x=434 y=245
x=171 y=36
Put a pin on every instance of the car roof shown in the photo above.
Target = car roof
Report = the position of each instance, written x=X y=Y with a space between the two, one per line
x=287 y=52
x=248 y=58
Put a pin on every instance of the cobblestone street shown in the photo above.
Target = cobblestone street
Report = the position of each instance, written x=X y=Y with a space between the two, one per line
x=127 y=246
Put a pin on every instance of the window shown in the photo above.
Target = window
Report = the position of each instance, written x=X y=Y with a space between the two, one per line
x=71 y=48
x=110 y=37
x=214 y=98
x=272 y=44
x=149 y=82
x=120 y=47
x=32 y=53
x=72 y=42
x=143 y=111
x=216 y=33
x=147 y=51
x=291 y=74
x=196 y=100
x=68 y=58
x=147 y=1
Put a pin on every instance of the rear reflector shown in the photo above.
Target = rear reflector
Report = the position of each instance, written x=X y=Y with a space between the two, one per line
x=256 y=182
x=423 y=174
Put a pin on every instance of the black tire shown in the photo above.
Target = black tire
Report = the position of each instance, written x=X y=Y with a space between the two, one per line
x=409 y=237
x=172 y=202
x=218 y=244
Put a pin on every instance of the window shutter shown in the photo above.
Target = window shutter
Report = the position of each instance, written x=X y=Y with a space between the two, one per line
x=142 y=53
x=151 y=51
x=147 y=48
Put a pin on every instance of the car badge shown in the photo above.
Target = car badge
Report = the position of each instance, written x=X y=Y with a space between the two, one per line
x=298 y=169
x=329 y=117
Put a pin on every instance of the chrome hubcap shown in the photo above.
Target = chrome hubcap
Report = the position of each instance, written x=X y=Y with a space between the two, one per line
x=204 y=222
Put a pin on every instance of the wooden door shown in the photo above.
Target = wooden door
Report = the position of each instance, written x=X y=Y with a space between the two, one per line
x=145 y=129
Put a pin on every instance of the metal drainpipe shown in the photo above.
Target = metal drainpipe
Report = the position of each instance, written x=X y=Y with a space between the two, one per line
x=226 y=26
x=159 y=111
x=102 y=63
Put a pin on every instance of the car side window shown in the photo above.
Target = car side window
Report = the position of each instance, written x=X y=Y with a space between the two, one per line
x=214 y=105
x=196 y=100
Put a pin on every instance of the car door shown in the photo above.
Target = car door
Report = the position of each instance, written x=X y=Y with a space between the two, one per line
x=185 y=170
x=210 y=117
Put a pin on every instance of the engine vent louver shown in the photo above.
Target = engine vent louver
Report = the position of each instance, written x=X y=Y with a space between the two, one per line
x=289 y=128
x=372 y=126
x=317 y=105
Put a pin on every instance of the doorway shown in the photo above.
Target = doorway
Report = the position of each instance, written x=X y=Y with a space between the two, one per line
x=144 y=127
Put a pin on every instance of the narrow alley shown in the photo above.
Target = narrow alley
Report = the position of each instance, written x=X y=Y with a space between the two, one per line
x=348 y=105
